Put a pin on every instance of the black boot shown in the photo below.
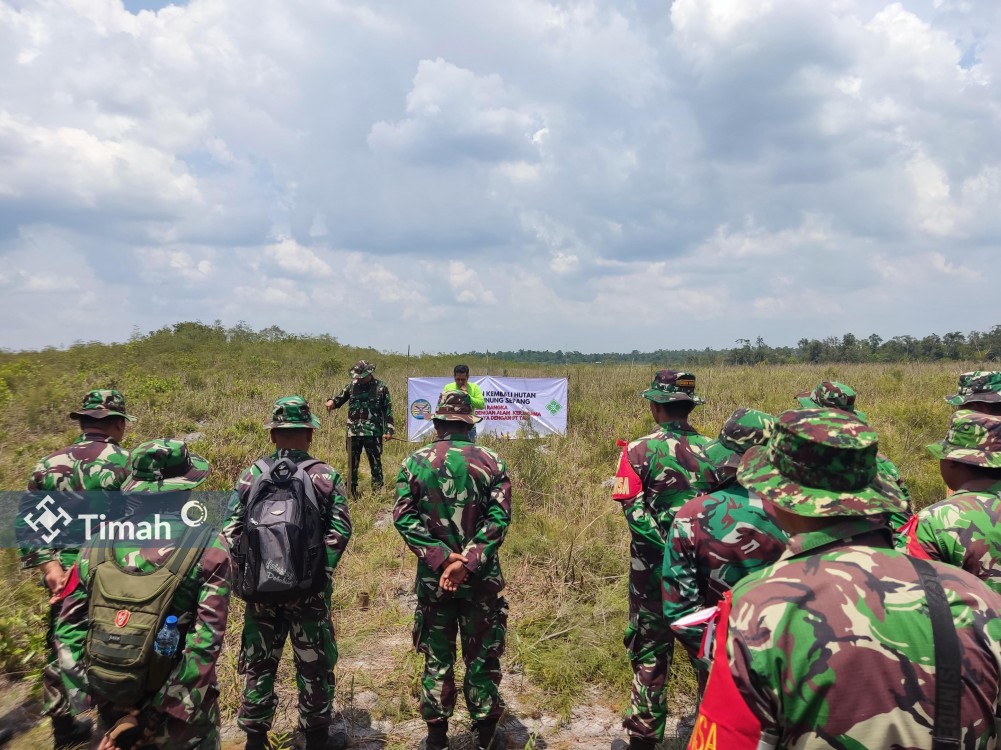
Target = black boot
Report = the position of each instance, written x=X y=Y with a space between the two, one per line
x=489 y=736
x=257 y=741
x=641 y=743
x=69 y=732
x=321 y=738
x=437 y=738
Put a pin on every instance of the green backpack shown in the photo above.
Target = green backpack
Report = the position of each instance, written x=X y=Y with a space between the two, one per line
x=126 y=611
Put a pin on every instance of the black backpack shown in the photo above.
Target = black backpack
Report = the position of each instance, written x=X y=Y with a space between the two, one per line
x=281 y=555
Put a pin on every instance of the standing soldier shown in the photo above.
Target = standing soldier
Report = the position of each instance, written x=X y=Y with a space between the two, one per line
x=965 y=529
x=306 y=619
x=370 y=420
x=657 y=475
x=94 y=462
x=718 y=539
x=978 y=391
x=453 y=509
x=846 y=642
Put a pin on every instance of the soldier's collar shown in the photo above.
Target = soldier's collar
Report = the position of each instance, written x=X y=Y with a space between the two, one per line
x=458 y=437
x=95 y=437
x=844 y=531
x=678 y=425
x=294 y=453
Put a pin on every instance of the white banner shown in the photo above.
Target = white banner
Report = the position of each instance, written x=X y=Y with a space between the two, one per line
x=512 y=404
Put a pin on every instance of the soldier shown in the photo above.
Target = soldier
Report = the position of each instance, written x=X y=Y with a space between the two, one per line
x=182 y=713
x=965 y=529
x=370 y=420
x=307 y=620
x=978 y=391
x=838 y=643
x=720 y=538
x=453 y=509
x=94 y=462
x=830 y=394
x=657 y=475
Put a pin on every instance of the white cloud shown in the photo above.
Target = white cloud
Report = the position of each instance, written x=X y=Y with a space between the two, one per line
x=293 y=258
x=466 y=285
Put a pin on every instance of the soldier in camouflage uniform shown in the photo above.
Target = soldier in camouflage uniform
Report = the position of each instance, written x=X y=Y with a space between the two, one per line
x=720 y=538
x=370 y=420
x=183 y=714
x=978 y=391
x=832 y=646
x=965 y=529
x=657 y=475
x=830 y=394
x=453 y=509
x=94 y=462
x=306 y=621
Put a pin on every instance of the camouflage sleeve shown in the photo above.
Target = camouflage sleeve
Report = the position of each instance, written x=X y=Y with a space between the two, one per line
x=30 y=550
x=236 y=510
x=640 y=519
x=192 y=685
x=493 y=528
x=681 y=595
x=409 y=523
x=341 y=398
x=70 y=639
x=388 y=410
x=330 y=485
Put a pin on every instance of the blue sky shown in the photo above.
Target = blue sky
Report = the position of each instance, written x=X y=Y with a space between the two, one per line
x=589 y=175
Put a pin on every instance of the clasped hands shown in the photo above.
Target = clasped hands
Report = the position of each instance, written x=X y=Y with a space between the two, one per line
x=455 y=572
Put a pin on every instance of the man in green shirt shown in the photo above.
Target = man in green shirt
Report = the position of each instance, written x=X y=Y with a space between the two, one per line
x=475 y=393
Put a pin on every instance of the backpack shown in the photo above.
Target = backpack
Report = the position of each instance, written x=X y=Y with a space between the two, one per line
x=126 y=611
x=281 y=555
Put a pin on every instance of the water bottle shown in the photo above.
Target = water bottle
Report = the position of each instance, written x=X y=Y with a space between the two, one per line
x=168 y=638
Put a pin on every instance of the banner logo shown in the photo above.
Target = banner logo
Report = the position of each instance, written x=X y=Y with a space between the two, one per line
x=51 y=516
x=553 y=407
x=421 y=409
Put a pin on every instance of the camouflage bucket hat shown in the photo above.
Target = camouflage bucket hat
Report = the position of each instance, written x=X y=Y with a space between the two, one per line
x=820 y=462
x=292 y=411
x=165 y=466
x=361 y=369
x=672 y=385
x=981 y=385
x=102 y=403
x=830 y=394
x=744 y=429
x=973 y=438
x=455 y=406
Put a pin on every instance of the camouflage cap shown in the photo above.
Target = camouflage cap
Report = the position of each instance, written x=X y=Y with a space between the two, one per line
x=292 y=411
x=101 y=403
x=745 y=428
x=361 y=369
x=672 y=385
x=820 y=462
x=973 y=438
x=981 y=385
x=165 y=465
x=455 y=406
x=830 y=394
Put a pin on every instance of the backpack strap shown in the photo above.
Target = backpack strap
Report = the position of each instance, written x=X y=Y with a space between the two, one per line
x=189 y=549
x=307 y=483
x=947 y=731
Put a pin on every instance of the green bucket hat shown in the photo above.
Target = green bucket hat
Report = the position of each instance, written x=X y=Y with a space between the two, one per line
x=672 y=385
x=973 y=438
x=745 y=428
x=101 y=403
x=818 y=463
x=292 y=411
x=361 y=369
x=830 y=394
x=455 y=406
x=981 y=385
x=165 y=466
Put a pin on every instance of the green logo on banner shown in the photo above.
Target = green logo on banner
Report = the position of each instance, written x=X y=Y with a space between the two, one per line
x=553 y=407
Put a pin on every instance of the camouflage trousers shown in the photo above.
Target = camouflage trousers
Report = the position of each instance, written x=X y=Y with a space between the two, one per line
x=481 y=626
x=56 y=704
x=173 y=733
x=372 y=444
x=314 y=651
x=649 y=643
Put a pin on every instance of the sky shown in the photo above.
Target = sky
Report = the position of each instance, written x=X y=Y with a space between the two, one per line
x=504 y=174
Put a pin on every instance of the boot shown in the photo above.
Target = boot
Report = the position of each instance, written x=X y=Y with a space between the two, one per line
x=641 y=743
x=257 y=741
x=489 y=736
x=69 y=732
x=437 y=738
x=321 y=738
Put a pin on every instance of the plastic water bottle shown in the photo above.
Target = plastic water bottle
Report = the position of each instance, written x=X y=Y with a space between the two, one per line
x=168 y=638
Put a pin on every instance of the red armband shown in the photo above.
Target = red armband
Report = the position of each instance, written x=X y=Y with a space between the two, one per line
x=914 y=548
x=627 y=482
x=72 y=581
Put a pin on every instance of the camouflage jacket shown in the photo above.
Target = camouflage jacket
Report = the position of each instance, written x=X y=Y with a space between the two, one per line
x=454 y=496
x=370 y=408
x=715 y=541
x=887 y=468
x=92 y=463
x=330 y=494
x=669 y=472
x=832 y=647
x=201 y=604
x=964 y=530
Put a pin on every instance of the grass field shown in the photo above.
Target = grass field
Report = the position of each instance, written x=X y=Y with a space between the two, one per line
x=566 y=553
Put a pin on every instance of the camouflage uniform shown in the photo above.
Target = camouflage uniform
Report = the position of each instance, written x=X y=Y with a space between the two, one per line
x=370 y=416
x=831 y=647
x=183 y=714
x=455 y=497
x=307 y=622
x=977 y=389
x=718 y=539
x=965 y=529
x=94 y=462
x=657 y=475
